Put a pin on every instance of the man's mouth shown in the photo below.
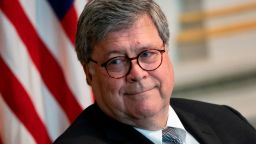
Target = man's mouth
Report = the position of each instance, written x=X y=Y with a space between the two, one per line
x=137 y=92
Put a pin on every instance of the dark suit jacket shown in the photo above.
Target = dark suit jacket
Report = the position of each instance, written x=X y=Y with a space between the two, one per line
x=208 y=123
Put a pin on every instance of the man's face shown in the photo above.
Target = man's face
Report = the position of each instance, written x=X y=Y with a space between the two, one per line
x=141 y=94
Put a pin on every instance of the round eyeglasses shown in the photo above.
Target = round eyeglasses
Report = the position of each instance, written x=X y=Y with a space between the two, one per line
x=120 y=66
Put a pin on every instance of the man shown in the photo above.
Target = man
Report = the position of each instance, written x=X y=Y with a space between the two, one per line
x=122 y=45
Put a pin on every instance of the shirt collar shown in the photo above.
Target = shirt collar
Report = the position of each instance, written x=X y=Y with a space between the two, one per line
x=173 y=120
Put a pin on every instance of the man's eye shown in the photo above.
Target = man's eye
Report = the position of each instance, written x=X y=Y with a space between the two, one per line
x=146 y=54
x=117 y=61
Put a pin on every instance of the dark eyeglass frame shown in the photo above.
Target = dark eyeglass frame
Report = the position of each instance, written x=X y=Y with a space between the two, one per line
x=130 y=62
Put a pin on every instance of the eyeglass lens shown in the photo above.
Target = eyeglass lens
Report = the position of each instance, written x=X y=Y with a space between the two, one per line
x=120 y=66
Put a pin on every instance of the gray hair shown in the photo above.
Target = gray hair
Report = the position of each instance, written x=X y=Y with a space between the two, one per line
x=101 y=17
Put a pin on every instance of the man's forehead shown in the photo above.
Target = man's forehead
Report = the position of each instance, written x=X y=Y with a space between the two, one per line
x=142 y=21
x=141 y=35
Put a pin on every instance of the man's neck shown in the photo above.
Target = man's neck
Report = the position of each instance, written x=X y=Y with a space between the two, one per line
x=155 y=122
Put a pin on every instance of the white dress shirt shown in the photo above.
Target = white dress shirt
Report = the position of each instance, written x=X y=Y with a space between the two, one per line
x=173 y=121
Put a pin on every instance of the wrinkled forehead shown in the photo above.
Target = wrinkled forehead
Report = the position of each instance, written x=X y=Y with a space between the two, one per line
x=141 y=35
x=123 y=29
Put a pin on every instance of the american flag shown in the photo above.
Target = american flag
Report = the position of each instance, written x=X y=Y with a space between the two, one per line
x=42 y=84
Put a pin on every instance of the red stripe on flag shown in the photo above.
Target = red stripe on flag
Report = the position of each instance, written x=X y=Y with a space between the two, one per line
x=19 y=102
x=1 y=141
x=69 y=23
x=49 y=69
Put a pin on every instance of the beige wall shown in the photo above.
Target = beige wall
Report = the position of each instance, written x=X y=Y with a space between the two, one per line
x=227 y=74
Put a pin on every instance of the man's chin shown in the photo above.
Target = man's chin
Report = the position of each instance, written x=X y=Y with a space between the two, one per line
x=147 y=110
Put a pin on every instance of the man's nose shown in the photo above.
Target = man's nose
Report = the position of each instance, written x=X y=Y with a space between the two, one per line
x=136 y=73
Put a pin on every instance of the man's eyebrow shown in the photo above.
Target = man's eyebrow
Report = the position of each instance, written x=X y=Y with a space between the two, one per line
x=111 y=52
x=123 y=51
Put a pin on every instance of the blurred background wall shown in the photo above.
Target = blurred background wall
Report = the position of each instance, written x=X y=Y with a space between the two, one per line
x=214 y=52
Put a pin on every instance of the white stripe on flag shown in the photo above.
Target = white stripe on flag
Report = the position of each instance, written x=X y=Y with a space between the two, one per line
x=12 y=130
x=79 y=5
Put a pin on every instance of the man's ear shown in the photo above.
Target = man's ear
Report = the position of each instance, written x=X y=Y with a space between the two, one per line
x=88 y=74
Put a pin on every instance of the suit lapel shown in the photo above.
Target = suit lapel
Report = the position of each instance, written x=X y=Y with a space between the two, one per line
x=197 y=127
x=126 y=135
